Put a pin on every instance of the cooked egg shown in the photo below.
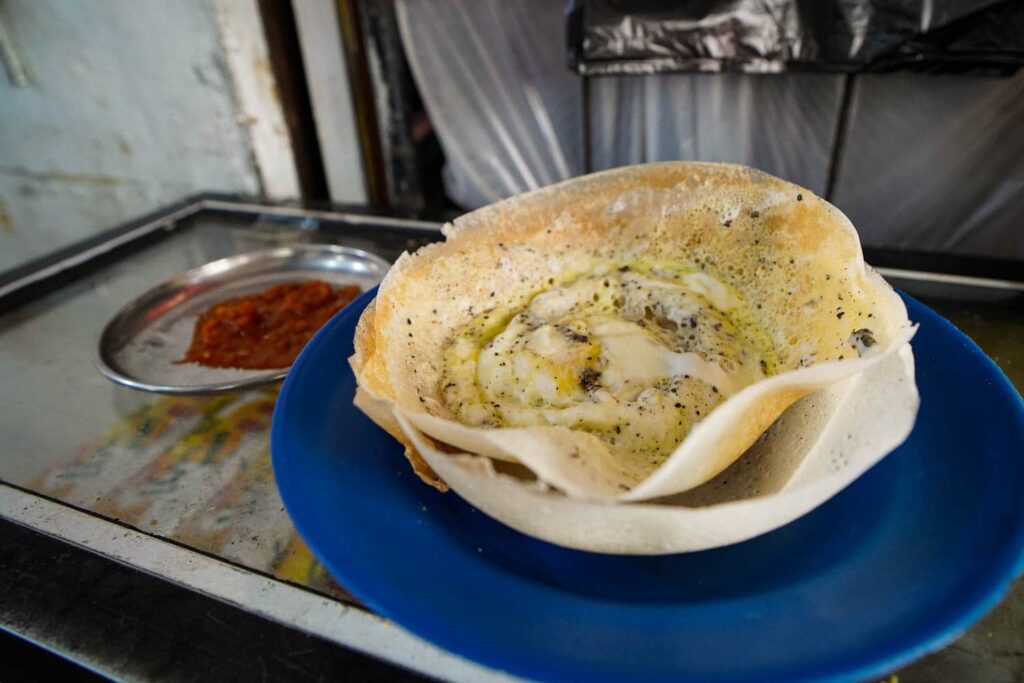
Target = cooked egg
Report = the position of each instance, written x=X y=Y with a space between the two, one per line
x=635 y=353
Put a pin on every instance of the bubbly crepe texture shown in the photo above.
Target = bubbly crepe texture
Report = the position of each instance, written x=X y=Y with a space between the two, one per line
x=623 y=336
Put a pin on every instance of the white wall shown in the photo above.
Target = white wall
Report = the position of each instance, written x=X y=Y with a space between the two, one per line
x=131 y=105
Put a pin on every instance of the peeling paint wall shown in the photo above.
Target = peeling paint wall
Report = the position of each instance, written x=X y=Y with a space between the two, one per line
x=128 y=107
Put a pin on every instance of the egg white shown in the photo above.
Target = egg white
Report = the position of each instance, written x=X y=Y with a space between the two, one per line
x=635 y=353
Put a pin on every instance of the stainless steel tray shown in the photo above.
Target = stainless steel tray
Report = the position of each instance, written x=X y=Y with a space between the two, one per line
x=141 y=346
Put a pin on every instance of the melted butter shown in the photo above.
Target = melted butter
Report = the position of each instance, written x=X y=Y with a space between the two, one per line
x=635 y=354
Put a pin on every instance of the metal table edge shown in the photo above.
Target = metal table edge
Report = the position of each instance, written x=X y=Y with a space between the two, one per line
x=292 y=606
x=38 y=271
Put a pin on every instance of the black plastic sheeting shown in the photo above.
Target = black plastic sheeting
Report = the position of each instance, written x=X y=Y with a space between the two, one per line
x=766 y=36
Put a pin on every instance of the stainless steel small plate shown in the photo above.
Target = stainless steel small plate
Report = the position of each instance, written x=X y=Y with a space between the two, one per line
x=141 y=345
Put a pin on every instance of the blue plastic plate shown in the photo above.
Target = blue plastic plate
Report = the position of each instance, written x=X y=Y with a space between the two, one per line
x=895 y=566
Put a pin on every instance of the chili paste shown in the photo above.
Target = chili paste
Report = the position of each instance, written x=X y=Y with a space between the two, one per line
x=265 y=330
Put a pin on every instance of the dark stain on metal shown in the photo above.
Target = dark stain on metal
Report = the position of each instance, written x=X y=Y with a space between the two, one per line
x=6 y=222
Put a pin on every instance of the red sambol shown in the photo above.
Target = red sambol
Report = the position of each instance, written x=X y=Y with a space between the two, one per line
x=265 y=330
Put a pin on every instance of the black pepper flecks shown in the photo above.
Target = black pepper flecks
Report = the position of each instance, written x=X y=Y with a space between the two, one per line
x=865 y=336
x=574 y=336
x=590 y=379
x=862 y=340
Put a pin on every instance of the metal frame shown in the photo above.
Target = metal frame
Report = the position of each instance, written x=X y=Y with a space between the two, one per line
x=949 y=279
x=49 y=267
x=62 y=261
